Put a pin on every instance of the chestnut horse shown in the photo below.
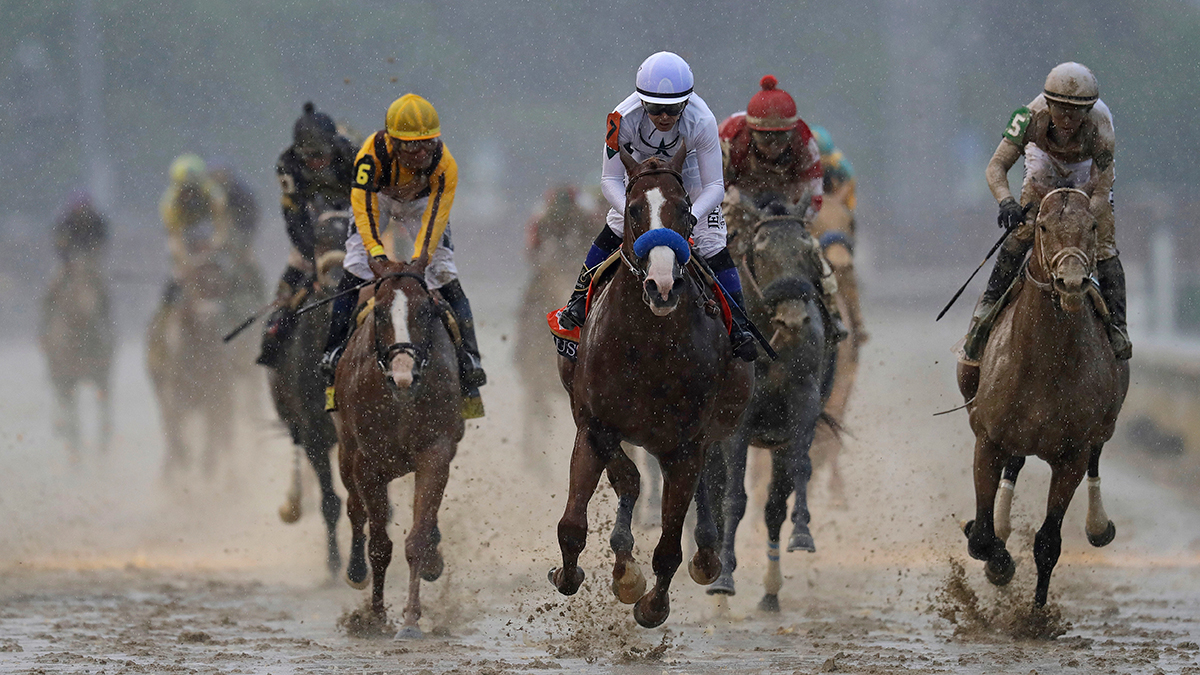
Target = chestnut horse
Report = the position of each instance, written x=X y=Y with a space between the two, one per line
x=655 y=369
x=401 y=412
x=1048 y=384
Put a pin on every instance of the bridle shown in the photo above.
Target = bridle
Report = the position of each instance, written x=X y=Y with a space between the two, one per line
x=748 y=256
x=1048 y=266
x=633 y=266
x=384 y=355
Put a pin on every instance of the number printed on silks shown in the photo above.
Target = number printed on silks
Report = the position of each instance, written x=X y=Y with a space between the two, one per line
x=1015 y=131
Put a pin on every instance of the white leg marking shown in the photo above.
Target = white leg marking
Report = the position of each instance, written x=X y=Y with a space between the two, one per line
x=773 y=579
x=1097 y=519
x=1003 y=511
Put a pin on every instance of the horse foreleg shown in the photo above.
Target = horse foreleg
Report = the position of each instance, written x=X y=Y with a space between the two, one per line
x=356 y=513
x=586 y=467
x=705 y=566
x=982 y=542
x=680 y=477
x=1004 y=497
x=66 y=419
x=799 y=467
x=292 y=509
x=373 y=488
x=421 y=546
x=104 y=404
x=331 y=504
x=1100 y=530
x=774 y=513
x=733 y=452
x=1064 y=479
x=629 y=584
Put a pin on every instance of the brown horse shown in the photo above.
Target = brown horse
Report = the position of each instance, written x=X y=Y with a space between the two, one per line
x=1048 y=384
x=192 y=372
x=655 y=369
x=77 y=337
x=401 y=412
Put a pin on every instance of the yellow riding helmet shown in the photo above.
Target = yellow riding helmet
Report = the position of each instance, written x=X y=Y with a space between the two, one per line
x=412 y=118
x=187 y=168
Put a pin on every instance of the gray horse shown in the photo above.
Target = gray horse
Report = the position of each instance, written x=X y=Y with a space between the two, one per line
x=782 y=268
x=298 y=387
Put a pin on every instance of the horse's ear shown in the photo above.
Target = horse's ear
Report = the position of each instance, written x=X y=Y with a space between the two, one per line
x=676 y=163
x=630 y=163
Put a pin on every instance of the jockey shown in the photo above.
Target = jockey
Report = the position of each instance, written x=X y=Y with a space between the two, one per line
x=195 y=214
x=768 y=150
x=1066 y=135
x=655 y=121
x=839 y=181
x=314 y=175
x=81 y=231
x=405 y=174
x=559 y=222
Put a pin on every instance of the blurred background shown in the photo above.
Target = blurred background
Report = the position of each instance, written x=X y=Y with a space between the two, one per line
x=102 y=95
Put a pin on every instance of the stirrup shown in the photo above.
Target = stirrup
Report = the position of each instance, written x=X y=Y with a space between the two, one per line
x=1122 y=346
x=572 y=316
x=744 y=345
x=470 y=372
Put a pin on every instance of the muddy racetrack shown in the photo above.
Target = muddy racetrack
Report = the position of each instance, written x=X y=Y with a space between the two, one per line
x=106 y=568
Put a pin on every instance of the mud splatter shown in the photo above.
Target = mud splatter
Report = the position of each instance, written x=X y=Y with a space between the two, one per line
x=364 y=623
x=1009 y=612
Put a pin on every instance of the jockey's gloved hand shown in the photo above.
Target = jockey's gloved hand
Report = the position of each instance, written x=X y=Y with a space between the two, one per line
x=381 y=258
x=1011 y=214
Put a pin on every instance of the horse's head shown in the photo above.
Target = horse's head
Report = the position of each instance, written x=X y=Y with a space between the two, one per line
x=330 y=228
x=784 y=259
x=1065 y=244
x=658 y=221
x=403 y=317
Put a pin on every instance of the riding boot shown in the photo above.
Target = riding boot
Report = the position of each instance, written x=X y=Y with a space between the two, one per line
x=572 y=316
x=848 y=288
x=829 y=290
x=1004 y=272
x=282 y=321
x=1112 y=289
x=745 y=347
x=341 y=316
x=470 y=369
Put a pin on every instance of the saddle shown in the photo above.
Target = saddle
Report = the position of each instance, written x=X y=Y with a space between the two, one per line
x=566 y=342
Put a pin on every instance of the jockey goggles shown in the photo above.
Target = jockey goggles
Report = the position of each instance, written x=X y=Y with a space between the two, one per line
x=412 y=147
x=672 y=109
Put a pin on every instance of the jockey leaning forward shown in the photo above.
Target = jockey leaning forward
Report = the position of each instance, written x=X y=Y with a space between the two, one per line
x=770 y=154
x=405 y=175
x=1066 y=135
x=661 y=117
x=314 y=177
x=81 y=232
x=196 y=216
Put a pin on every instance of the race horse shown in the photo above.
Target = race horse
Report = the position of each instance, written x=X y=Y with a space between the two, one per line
x=781 y=263
x=192 y=371
x=654 y=368
x=1047 y=384
x=76 y=335
x=298 y=387
x=555 y=238
x=400 y=408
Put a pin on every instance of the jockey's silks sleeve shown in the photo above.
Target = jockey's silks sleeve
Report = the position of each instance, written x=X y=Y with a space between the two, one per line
x=377 y=171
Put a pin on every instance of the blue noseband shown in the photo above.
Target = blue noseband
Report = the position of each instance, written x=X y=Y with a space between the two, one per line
x=662 y=236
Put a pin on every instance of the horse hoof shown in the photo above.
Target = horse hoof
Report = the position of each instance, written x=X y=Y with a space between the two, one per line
x=649 y=618
x=410 y=633
x=801 y=540
x=358 y=585
x=568 y=586
x=1000 y=569
x=769 y=603
x=631 y=586
x=290 y=512
x=704 y=569
x=1104 y=538
x=357 y=576
x=965 y=526
x=722 y=586
x=432 y=570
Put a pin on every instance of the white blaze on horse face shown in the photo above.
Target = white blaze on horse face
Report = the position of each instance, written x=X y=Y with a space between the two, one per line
x=662 y=259
x=402 y=364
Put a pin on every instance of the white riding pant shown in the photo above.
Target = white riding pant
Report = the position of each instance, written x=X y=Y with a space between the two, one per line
x=709 y=235
x=406 y=215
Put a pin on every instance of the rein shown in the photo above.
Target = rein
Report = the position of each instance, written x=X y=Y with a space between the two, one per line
x=637 y=271
x=383 y=356
x=1055 y=260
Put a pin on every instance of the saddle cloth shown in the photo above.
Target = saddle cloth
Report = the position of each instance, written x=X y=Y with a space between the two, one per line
x=566 y=342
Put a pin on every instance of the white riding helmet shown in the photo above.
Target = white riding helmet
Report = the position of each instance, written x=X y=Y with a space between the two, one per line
x=664 y=78
x=1071 y=83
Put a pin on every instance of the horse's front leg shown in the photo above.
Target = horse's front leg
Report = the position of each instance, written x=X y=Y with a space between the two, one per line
x=1064 y=480
x=982 y=542
x=587 y=463
x=421 y=546
x=373 y=488
x=356 y=513
x=1004 y=497
x=681 y=472
x=629 y=584
x=799 y=468
x=331 y=504
x=1100 y=530
x=733 y=452
x=705 y=566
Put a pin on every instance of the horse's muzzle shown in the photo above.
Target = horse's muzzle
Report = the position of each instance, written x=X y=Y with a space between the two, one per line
x=1071 y=281
x=660 y=302
x=403 y=370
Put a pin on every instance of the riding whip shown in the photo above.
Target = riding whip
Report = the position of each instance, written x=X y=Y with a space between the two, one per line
x=248 y=322
x=981 y=264
x=357 y=287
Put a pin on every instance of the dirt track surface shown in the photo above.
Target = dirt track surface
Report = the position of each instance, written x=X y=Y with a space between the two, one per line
x=107 y=568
